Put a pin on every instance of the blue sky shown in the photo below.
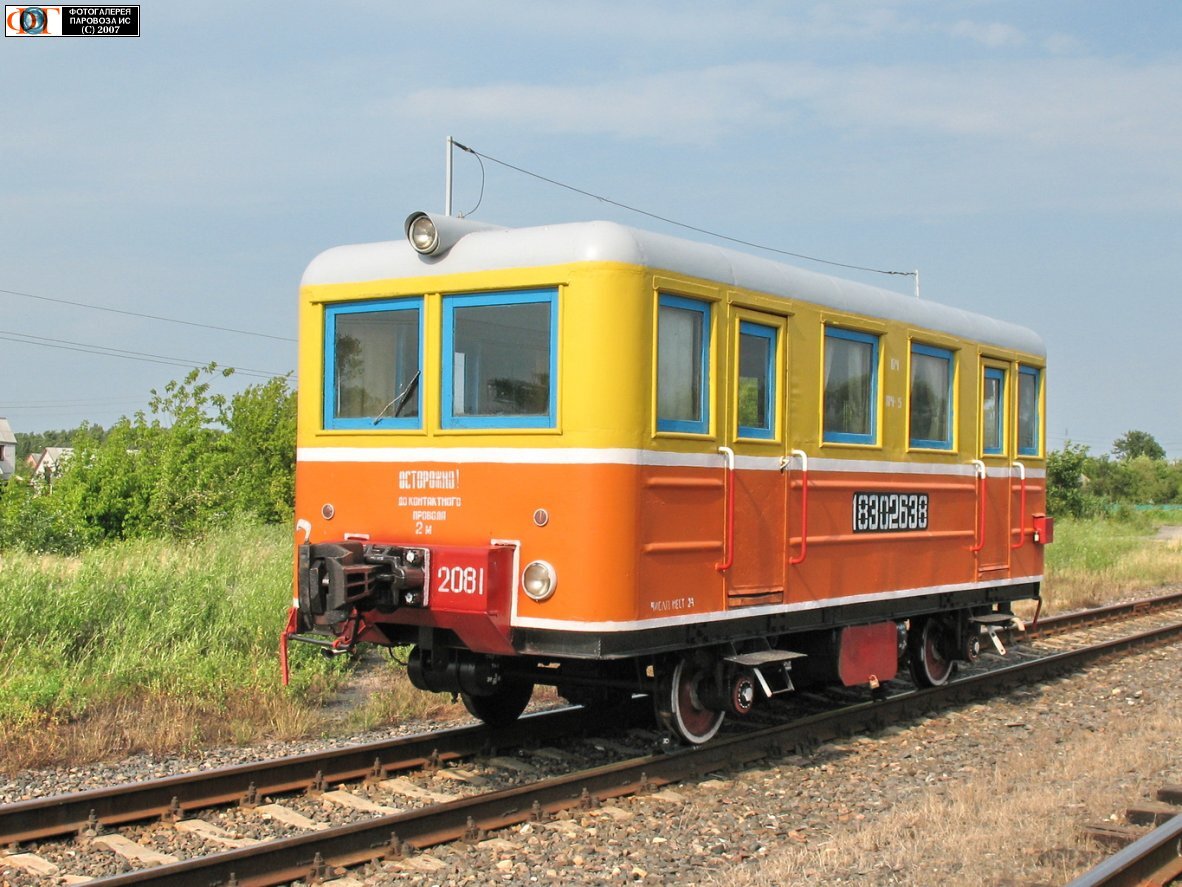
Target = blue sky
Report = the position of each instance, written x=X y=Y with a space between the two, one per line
x=1026 y=157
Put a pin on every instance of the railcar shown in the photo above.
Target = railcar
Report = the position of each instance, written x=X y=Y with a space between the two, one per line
x=613 y=461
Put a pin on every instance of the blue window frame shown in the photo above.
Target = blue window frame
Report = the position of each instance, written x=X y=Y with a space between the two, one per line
x=373 y=364
x=851 y=387
x=500 y=360
x=931 y=398
x=683 y=365
x=993 y=411
x=1029 y=437
x=756 y=380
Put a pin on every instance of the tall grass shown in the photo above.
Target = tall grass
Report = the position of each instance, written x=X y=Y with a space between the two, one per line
x=179 y=637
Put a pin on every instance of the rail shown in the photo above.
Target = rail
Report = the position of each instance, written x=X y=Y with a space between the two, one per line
x=1155 y=859
x=63 y=814
x=314 y=854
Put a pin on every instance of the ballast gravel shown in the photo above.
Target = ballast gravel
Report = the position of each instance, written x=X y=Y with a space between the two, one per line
x=824 y=817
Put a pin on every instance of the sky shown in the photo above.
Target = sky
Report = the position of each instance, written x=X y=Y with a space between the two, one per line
x=162 y=195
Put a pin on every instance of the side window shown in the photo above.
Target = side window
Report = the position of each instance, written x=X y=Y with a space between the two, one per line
x=499 y=360
x=993 y=411
x=372 y=364
x=683 y=365
x=756 y=380
x=851 y=386
x=1028 y=397
x=931 y=422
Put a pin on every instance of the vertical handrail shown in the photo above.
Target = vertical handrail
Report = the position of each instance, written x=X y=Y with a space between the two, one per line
x=728 y=485
x=804 y=508
x=979 y=467
x=1022 y=509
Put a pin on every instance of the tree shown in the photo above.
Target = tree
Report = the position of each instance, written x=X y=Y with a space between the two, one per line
x=259 y=449
x=195 y=460
x=1066 y=493
x=1138 y=443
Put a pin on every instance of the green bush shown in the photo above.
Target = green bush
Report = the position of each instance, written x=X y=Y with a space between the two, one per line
x=194 y=462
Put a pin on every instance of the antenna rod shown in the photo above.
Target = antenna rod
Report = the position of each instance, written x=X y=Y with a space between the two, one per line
x=917 y=283
x=447 y=179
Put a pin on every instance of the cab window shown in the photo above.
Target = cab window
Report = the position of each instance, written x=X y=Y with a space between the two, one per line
x=499 y=360
x=851 y=386
x=372 y=364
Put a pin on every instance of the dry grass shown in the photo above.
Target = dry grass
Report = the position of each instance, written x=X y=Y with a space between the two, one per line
x=155 y=724
x=1016 y=821
x=378 y=694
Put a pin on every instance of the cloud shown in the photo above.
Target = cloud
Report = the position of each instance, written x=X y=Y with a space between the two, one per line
x=1059 y=104
x=994 y=35
x=1046 y=133
x=1047 y=103
x=683 y=106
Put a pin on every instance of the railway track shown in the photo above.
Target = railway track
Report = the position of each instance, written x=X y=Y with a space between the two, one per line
x=491 y=791
x=1151 y=859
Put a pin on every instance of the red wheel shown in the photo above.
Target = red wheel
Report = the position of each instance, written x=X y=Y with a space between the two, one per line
x=930 y=665
x=679 y=707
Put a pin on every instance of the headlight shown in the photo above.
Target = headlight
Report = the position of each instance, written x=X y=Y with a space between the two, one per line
x=422 y=233
x=539 y=580
x=432 y=234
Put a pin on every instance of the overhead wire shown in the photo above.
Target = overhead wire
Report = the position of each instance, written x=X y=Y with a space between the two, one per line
x=206 y=326
x=146 y=357
x=53 y=404
x=669 y=221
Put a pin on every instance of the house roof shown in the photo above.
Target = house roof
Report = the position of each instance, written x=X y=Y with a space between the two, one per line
x=6 y=435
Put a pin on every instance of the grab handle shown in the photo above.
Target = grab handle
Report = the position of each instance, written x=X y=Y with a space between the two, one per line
x=804 y=508
x=980 y=473
x=1022 y=511
x=728 y=545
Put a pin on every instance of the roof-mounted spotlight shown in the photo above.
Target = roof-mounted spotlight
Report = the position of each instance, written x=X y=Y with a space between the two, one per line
x=433 y=235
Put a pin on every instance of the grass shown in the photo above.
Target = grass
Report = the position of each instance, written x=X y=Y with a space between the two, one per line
x=168 y=647
x=1101 y=560
x=151 y=645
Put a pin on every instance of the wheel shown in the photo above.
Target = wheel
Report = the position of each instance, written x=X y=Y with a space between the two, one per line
x=926 y=646
x=501 y=707
x=678 y=706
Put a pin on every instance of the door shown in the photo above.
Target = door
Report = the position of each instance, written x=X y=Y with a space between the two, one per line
x=757 y=373
x=993 y=515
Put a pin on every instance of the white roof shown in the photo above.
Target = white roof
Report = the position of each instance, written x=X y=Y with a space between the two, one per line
x=610 y=242
x=6 y=435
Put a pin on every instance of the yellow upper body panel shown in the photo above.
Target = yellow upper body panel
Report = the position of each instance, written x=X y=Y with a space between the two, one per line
x=608 y=283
